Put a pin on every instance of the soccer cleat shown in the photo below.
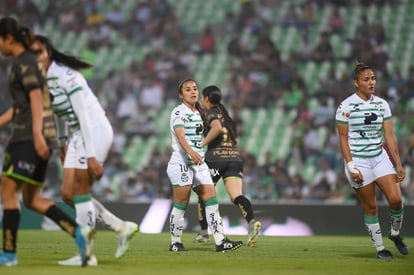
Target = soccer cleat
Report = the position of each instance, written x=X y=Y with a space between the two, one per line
x=125 y=234
x=176 y=247
x=84 y=239
x=201 y=237
x=254 y=230
x=384 y=254
x=398 y=241
x=227 y=245
x=8 y=259
x=77 y=261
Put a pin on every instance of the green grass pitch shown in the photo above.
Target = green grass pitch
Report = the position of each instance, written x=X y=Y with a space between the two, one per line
x=39 y=251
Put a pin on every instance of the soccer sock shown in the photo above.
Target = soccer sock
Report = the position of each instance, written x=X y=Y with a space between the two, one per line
x=62 y=219
x=11 y=219
x=177 y=221
x=106 y=217
x=396 y=220
x=201 y=210
x=214 y=220
x=374 y=230
x=245 y=207
x=85 y=211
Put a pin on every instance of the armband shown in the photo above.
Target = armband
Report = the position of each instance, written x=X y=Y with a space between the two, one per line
x=351 y=168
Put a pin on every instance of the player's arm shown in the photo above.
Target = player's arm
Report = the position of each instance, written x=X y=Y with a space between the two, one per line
x=62 y=134
x=214 y=132
x=346 y=151
x=6 y=117
x=180 y=133
x=36 y=107
x=391 y=141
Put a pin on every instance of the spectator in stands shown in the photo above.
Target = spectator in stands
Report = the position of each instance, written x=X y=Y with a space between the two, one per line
x=323 y=185
x=280 y=176
x=362 y=130
x=115 y=17
x=207 y=42
x=323 y=51
x=296 y=190
x=336 y=22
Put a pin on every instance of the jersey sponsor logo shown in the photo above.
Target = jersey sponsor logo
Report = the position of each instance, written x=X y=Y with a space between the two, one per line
x=370 y=118
x=214 y=172
x=23 y=68
x=199 y=128
x=82 y=160
x=26 y=166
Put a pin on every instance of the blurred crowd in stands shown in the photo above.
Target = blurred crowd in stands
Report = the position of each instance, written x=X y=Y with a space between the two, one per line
x=256 y=76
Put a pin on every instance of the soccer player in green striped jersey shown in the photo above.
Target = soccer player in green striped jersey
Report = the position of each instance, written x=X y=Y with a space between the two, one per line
x=364 y=122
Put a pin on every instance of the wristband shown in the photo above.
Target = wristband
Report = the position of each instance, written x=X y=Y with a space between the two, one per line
x=351 y=168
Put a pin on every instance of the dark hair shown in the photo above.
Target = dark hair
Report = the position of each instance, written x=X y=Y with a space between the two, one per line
x=181 y=83
x=213 y=94
x=22 y=34
x=61 y=58
x=359 y=67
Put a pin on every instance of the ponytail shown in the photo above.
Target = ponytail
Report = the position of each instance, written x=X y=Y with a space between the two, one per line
x=213 y=94
x=61 y=58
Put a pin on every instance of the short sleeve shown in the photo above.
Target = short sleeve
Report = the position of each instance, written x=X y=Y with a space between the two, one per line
x=342 y=114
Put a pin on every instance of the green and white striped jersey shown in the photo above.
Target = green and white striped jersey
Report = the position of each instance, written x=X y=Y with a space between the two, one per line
x=365 y=120
x=74 y=102
x=182 y=116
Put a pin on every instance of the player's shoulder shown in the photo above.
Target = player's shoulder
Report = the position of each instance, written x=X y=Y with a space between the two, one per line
x=178 y=110
x=61 y=71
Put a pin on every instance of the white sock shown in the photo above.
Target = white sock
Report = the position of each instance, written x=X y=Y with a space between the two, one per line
x=396 y=218
x=176 y=224
x=107 y=218
x=374 y=231
x=85 y=213
x=215 y=223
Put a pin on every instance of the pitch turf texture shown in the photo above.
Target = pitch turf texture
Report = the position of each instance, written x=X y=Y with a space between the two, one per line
x=39 y=252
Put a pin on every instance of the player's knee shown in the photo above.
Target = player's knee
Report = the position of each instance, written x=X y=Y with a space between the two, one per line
x=395 y=202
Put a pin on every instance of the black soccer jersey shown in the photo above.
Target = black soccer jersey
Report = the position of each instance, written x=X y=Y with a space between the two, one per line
x=27 y=74
x=222 y=148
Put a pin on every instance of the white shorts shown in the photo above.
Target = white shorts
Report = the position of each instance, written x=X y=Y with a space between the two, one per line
x=371 y=169
x=182 y=175
x=76 y=154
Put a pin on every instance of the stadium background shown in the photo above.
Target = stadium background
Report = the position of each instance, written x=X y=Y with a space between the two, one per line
x=282 y=92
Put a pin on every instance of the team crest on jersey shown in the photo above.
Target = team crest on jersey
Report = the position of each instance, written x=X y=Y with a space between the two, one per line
x=378 y=106
x=184 y=177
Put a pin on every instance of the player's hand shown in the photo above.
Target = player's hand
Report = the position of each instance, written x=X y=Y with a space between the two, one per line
x=41 y=148
x=95 y=168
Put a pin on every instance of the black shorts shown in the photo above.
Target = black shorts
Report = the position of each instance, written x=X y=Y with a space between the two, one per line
x=22 y=163
x=225 y=169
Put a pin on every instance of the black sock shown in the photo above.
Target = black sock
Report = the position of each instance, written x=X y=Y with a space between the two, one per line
x=62 y=219
x=201 y=209
x=11 y=220
x=245 y=207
